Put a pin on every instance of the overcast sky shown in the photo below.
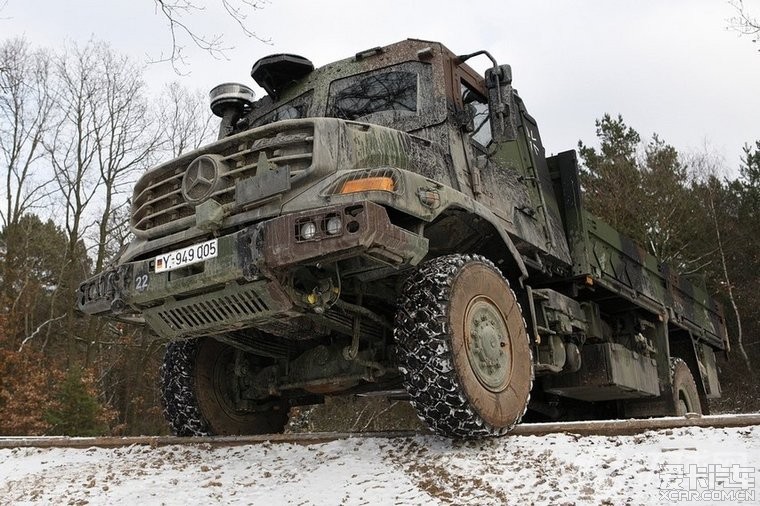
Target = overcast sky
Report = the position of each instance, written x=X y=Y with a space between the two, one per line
x=671 y=67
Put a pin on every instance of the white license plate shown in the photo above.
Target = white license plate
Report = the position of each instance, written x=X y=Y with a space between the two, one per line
x=187 y=256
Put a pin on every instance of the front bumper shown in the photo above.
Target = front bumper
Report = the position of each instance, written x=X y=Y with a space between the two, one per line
x=242 y=285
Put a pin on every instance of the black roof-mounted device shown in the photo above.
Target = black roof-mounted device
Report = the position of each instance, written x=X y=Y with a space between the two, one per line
x=277 y=72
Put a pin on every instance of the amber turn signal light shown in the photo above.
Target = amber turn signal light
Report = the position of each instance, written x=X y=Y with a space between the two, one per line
x=368 y=184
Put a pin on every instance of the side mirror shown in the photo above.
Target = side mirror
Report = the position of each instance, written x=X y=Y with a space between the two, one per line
x=501 y=103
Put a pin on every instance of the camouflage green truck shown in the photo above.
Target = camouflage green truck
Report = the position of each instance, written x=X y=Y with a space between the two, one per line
x=388 y=224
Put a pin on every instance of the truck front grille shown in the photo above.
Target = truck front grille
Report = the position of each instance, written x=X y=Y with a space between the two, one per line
x=159 y=205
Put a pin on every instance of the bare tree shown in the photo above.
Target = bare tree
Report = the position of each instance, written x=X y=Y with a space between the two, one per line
x=124 y=138
x=119 y=233
x=182 y=17
x=185 y=119
x=708 y=168
x=744 y=22
x=104 y=136
x=26 y=108
x=72 y=146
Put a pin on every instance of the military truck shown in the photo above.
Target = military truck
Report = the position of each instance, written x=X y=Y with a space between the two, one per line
x=389 y=224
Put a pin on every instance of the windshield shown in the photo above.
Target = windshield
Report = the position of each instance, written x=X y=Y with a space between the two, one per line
x=401 y=96
x=295 y=109
x=389 y=91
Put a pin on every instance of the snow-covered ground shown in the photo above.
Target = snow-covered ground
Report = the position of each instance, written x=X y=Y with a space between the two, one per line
x=664 y=467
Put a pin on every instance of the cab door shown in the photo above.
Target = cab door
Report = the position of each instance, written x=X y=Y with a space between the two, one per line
x=498 y=189
x=510 y=177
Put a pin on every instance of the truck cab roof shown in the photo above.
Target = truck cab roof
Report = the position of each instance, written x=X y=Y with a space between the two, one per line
x=406 y=85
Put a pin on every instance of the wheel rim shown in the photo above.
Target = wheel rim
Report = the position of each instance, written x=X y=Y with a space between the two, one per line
x=220 y=386
x=214 y=374
x=684 y=403
x=487 y=344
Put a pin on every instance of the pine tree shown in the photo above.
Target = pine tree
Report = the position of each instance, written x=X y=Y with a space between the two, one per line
x=611 y=178
x=77 y=411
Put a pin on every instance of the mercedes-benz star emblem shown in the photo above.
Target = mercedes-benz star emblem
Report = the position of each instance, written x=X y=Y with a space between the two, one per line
x=200 y=179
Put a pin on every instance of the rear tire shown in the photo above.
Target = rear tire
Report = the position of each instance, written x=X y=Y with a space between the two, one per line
x=195 y=387
x=463 y=349
x=685 y=393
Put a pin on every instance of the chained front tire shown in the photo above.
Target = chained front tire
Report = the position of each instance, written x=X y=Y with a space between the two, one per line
x=463 y=348
x=196 y=378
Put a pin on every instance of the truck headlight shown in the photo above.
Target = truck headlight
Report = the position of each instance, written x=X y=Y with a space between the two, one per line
x=334 y=225
x=308 y=230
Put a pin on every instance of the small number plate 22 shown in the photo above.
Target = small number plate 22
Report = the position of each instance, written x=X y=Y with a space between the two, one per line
x=187 y=256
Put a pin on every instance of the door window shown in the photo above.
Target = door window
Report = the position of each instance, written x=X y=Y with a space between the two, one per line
x=477 y=108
